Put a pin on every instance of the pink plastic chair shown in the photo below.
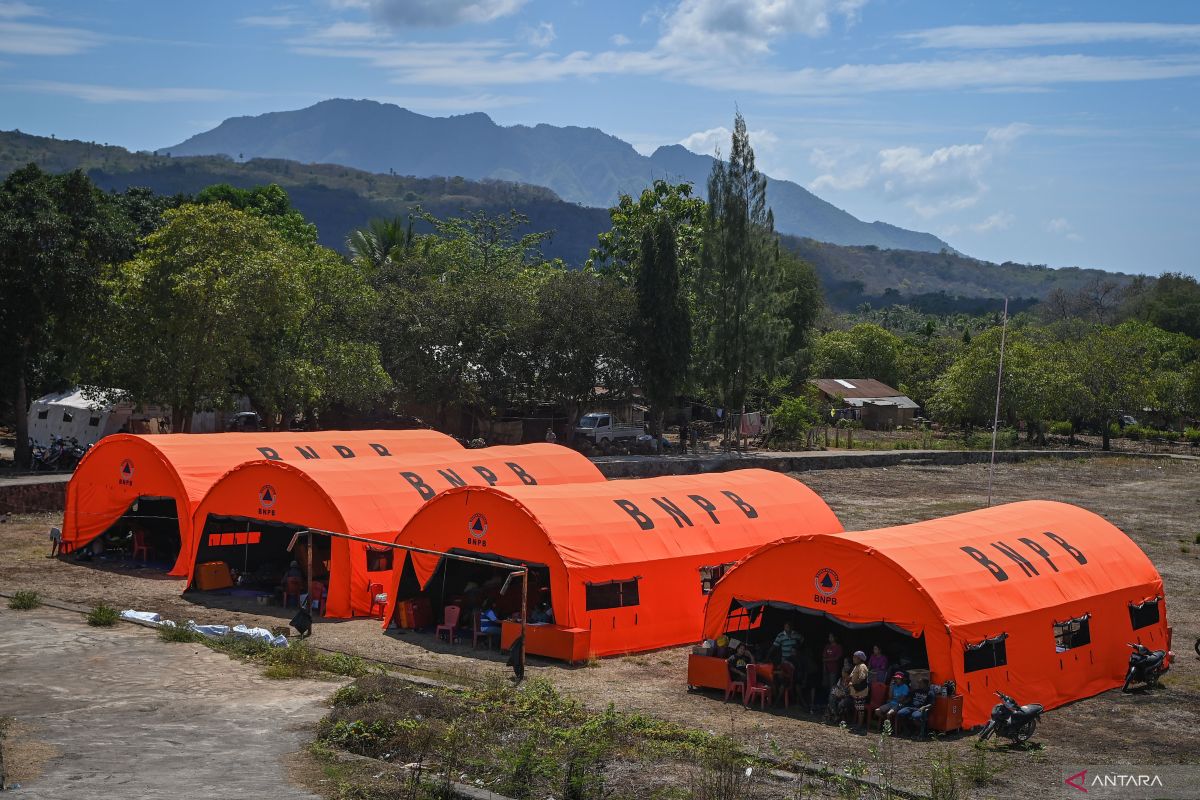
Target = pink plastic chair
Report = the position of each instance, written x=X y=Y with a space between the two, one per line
x=375 y=590
x=755 y=689
x=452 y=613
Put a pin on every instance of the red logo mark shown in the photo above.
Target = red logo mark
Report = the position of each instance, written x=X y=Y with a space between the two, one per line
x=1081 y=777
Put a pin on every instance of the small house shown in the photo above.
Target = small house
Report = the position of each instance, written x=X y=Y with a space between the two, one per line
x=878 y=406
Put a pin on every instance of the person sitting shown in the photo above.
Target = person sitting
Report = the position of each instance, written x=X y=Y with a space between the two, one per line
x=897 y=697
x=542 y=615
x=917 y=707
x=860 y=686
x=738 y=663
x=878 y=664
x=840 y=704
x=489 y=623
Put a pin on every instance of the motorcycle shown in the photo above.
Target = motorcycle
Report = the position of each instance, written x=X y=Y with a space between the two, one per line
x=1012 y=720
x=1145 y=666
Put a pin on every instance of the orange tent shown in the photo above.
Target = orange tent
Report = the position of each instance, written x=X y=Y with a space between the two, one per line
x=370 y=498
x=179 y=468
x=1035 y=599
x=629 y=559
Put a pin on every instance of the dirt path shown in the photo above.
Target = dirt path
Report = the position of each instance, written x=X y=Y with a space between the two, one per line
x=118 y=713
x=1156 y=502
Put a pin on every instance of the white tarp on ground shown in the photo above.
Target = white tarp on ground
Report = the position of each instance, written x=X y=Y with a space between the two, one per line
x=213 y=631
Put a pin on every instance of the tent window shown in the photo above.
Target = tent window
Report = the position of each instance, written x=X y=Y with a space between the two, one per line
x=68 y=416
x=94 y=422
x=985 y=655
x=379 y=560
x=1072 y=633
x=710 y=575
x=45 y=412
x=616 y=594
x=1142 y=615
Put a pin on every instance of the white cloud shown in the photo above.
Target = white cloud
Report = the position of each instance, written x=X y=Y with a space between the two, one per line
x=707 y=142
x=974 y=37
x=436 y=13
x=343 y=31
x=542 y=35
x=931 y=183
x=275 y=21
x=28 y=39
x=19 y=10
x=747 y=27
x=619 y=40
x=1061 y=226
x=94 y=93
x=999 y=221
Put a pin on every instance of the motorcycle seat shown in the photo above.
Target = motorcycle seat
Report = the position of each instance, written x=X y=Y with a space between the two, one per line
x=1032 y=708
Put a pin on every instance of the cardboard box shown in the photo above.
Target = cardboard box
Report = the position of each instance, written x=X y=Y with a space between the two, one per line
x=212 y=575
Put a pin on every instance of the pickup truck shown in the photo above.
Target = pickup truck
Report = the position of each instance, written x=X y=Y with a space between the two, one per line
x=601 y=429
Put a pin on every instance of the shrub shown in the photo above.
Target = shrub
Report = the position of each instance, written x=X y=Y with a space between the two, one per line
x=1192 y=436
x=1061 y=428
x=103 y=616
x=24 y=600
x=794 y=416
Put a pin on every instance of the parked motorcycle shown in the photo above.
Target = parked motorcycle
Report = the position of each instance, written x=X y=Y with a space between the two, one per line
x=1012 y=720
x=1145 y=666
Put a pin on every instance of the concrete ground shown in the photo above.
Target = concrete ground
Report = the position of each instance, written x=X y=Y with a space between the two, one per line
x=115 y=712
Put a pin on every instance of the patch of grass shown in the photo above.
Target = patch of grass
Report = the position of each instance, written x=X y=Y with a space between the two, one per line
x=178 y=633
x=978 y=770
x=24 y=600
x=103 y=616
x=1198 y=538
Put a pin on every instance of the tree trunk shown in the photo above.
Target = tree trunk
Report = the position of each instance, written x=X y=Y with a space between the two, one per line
x=21 y=411
x=1105 y=432
x=176 y=418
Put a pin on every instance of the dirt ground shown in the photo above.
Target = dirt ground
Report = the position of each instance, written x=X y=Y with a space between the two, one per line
x=118 y=713
x=1157 y=502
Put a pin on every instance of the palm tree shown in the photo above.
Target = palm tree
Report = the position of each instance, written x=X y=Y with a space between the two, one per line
x=380 y=243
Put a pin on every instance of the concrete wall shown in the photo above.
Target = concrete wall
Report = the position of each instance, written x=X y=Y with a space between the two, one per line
x=25 y=495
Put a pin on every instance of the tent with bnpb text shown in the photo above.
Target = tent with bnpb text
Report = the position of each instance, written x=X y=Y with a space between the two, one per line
x=629 y=562
x=1035 y=599
x=153 y=483
x=250 y=515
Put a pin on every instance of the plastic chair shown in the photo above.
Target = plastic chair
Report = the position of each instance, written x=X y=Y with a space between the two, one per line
x=788 y=677
x=451 y=615
x=755 y=688
x=478 y=633
x=875 y=699
x=140 y=546
x=375 y=590
x=316 y=599
x=292 y=587
x=733 y=687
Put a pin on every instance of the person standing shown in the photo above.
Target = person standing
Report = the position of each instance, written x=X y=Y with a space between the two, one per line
x=550 y=437
x=831 y=661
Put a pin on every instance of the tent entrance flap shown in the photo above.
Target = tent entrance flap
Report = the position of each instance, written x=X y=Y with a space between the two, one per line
x=753 y=608
x=469 y=585
x=149 y=521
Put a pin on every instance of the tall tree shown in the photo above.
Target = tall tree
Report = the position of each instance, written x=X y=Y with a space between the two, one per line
x=664 y=320
x=380 y=243
x=618 y=249
x=56 y=233
x=737 y=288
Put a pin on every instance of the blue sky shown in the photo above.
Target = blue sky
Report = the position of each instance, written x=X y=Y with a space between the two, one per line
x=1046 y=132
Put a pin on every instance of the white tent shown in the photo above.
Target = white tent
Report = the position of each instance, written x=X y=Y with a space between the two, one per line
x=82 y=413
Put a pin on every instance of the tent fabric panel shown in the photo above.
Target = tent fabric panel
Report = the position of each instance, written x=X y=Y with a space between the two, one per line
x=100 y=491
x=660 y=530
x=919 y=576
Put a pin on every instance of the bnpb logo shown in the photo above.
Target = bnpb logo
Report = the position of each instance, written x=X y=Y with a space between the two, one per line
x=266 y=499
x=827 y=584
x=126 y=478
x=477 y=528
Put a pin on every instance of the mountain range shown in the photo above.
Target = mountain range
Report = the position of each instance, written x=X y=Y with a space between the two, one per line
x=338 y=199
x=581 y=165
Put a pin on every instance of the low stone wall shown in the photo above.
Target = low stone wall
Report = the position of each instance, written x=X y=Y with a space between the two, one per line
x=26 y=497
x=655 y=466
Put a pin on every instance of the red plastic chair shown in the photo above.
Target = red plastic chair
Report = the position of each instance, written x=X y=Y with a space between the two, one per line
x=452 y=613
x=478 y=633
x=375 y=590
x=140 y=546
x=316 y=599
x=733 y=687
x=292 y=587
x=875 y=699
x=756 y=688
x=788 y=677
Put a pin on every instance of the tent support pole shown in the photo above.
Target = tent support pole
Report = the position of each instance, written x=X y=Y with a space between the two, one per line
x=524 y=613
x=310 y=575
